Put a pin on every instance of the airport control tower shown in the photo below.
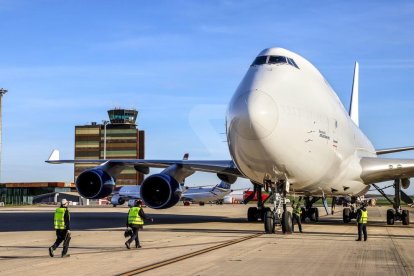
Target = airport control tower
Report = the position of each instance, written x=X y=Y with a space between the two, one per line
x=118 y=138
x=2 y=92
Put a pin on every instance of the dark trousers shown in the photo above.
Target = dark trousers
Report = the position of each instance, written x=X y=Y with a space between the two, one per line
x=60 y=237
x=298 y=220
x=362 y=228
x=135 y=228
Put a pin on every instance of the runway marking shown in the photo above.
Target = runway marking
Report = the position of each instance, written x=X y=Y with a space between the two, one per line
x=187 y=256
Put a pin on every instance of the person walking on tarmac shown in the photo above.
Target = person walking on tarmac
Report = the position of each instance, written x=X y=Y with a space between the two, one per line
x=362 y=219
x=297 y=211
x=62 y=226
x=136 y=217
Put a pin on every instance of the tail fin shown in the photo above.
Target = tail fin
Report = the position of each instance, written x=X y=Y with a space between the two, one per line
x=354 y=106
x=223 y=185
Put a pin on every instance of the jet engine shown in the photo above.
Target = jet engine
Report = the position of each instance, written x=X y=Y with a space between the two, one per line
x=160 y=191
x=405 y=183
x=117 y=200
x=95 y=183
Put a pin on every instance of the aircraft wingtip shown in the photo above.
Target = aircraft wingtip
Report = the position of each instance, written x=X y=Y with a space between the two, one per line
x=54 y=156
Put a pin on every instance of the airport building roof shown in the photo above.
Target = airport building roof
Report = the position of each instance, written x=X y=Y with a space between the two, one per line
x=37 y=185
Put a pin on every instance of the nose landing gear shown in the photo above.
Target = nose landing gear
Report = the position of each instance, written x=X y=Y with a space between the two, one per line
x=279 y=212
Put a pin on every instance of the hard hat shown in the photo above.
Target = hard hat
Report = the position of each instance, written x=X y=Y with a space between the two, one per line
x=64 y=201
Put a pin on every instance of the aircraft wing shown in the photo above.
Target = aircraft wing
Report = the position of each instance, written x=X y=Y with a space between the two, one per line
x=213 y=166
x=383 y=169
x=392 y=150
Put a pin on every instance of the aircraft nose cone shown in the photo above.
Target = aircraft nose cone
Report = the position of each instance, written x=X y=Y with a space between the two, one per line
x=255 y=115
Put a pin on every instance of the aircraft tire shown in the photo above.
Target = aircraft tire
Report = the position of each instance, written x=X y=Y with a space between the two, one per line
x=269 y=222
x=390 y=216
x=286 y=222
x=316 y=214
x=252 y=214
x=261 y=214
x=405 y=217
x=346 y=215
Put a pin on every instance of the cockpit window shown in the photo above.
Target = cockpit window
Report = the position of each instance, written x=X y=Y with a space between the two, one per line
x=292 y=62
x=260 y=60
x=274 y=60
x=277 y=59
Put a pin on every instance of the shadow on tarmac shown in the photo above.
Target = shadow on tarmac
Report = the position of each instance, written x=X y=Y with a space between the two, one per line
x=43 y=221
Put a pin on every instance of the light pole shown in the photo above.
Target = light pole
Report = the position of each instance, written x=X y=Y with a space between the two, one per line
x=104 y=151
x=2 y=92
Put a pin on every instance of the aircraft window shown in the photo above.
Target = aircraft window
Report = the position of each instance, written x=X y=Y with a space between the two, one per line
x=292 y=62
x=260 y=60
x=277 y=59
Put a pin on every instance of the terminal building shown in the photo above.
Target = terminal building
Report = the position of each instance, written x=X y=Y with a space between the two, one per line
x=26 y=192
x=118 y=138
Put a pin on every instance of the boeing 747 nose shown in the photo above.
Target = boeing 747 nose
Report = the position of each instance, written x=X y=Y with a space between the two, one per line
x=253 y=115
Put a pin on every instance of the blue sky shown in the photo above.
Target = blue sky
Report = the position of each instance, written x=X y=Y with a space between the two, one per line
x=178 y=62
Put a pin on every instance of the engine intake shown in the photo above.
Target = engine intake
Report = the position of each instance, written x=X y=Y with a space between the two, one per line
x=95 y=184
x=160 y=191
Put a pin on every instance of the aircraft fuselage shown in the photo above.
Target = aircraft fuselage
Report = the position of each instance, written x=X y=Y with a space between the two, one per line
x=286 y=122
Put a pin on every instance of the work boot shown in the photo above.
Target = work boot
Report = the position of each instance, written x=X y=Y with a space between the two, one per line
x=137 y=246
x=127 y=245
x=65 y=255
x=51 y=251
x=357 y=240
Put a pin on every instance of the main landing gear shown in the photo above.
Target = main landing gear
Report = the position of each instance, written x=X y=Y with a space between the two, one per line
x=256 y=213
x=309 y=212
x=397 y=214
x=349 y=213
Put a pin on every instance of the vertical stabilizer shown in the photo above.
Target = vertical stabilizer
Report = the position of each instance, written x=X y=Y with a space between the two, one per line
x=354 y=106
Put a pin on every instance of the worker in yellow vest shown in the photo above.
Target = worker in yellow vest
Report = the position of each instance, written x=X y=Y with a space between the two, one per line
x=136 y=217
x=362 y=219
x=62 y=227
x=296 y=214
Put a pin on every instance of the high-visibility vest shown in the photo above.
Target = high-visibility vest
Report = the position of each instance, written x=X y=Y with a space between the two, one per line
x=297 y=209
x=364 y=217
x=134 y=217
x=60 y=218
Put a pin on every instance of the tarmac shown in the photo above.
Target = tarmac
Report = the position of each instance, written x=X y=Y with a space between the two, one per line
x=201 y=240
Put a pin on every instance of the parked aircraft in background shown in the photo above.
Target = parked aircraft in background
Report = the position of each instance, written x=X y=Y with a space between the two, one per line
x=202 y=195
x=199 y=195
x=287 y=131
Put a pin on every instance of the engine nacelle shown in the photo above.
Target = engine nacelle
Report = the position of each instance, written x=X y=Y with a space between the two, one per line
x=117 y=200
x=160 y=191
x=405 y=183
x=95 y=184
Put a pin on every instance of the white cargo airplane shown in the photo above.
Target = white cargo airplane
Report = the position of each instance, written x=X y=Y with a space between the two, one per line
x=199 y=195
x=204 y=194
x=287 y=131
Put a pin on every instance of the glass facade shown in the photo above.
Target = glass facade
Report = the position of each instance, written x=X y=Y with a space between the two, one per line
x=24 y=195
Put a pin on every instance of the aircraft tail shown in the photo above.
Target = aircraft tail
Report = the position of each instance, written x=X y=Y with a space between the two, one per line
x=354 y=105
x=223 y=185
